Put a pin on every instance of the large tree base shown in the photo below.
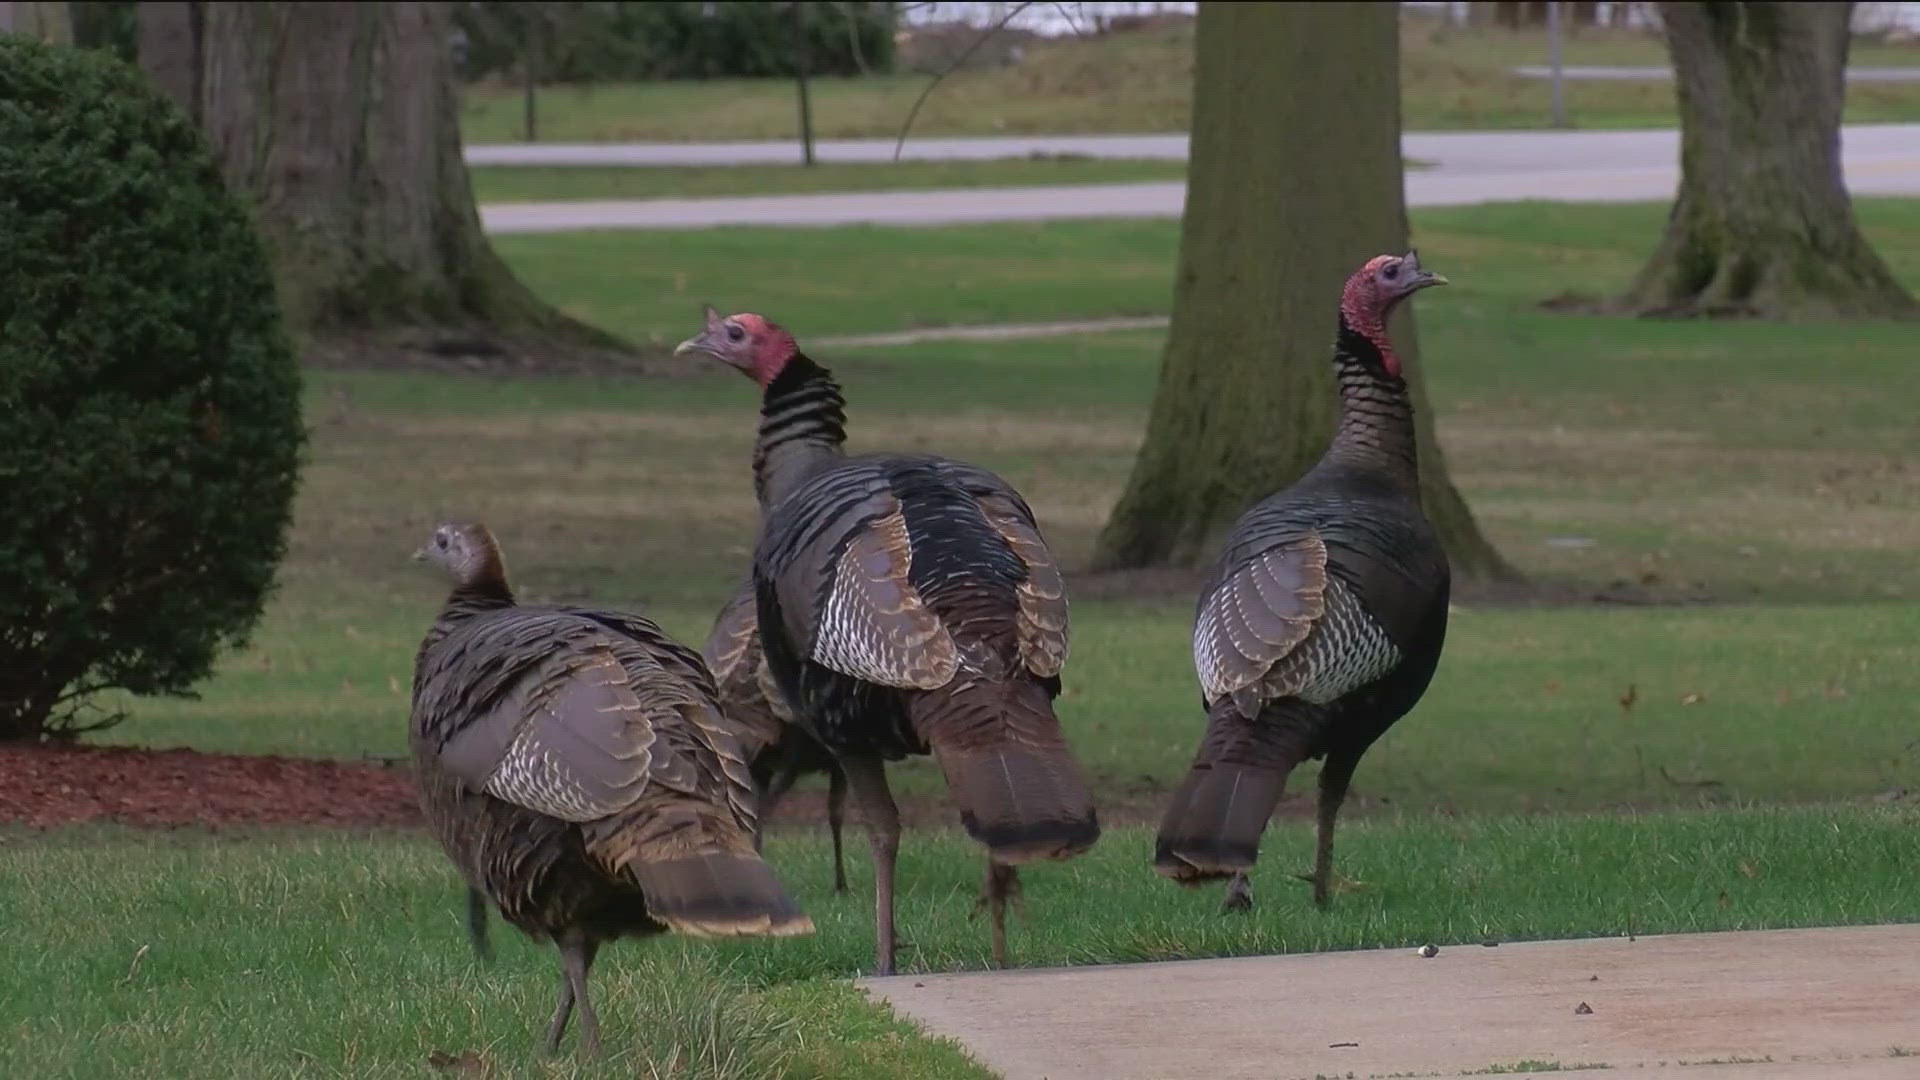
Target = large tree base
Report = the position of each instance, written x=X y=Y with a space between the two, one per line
x=1762 y=283
x=476 y=351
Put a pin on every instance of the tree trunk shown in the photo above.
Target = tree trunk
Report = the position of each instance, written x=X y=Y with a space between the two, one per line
x=1294 y=182
x=341 y=122
x=1763 y=224
x=41 y=21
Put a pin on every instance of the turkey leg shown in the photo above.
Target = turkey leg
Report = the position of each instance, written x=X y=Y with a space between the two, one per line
x=836 y=817
x=1002 y=884
x=477 y=925
x=576 y=959
x=867 y=779
x=770 y=797
x=1334 y=777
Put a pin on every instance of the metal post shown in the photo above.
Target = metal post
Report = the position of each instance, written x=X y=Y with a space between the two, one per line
x=1553 y=47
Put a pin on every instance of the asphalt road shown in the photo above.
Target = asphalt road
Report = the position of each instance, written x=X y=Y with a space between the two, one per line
x=1467 y=167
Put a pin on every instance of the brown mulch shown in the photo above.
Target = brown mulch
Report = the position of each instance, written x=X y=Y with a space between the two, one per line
x=45 y=786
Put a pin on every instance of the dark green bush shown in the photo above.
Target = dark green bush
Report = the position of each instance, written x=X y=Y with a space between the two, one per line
x=150 y=428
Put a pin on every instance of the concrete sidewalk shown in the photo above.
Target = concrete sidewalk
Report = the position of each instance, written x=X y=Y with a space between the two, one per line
x=1805 y=1004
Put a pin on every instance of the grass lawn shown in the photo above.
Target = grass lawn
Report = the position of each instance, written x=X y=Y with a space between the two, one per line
x=1769 y=468
x=1133 y=82
x=339 y=954
x=509 y=183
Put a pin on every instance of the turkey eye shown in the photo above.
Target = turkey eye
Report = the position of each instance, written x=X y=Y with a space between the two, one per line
x=1393 y=271
x=734 y=333
x=440 y=542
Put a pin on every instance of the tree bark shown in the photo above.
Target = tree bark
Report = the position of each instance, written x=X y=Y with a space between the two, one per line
x=1294 y=181
x=1762 y=224
x=41 y=21
x=341 y=123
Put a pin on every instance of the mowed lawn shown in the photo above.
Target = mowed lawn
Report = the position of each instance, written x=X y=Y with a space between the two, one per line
x=1451 y=77
x=1754 y=483
x=342 y=954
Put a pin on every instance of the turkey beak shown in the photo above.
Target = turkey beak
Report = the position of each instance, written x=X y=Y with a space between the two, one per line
x=419 y=555
x=1421 y=278
x=703 y=342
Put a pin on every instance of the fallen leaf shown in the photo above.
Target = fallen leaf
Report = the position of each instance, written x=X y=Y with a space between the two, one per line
x=1724 y=902
x=1692 y=699
x=1747 y=869
x=1627 y=699
x=1583 y=1009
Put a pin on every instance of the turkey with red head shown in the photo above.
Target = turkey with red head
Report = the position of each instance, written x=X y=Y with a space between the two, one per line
x=1324 y=617
x=908 y=605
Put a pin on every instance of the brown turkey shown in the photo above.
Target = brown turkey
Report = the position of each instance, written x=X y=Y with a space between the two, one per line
x=779 y=750
x=576 y=768
x=907 y=604
x=1324 y=617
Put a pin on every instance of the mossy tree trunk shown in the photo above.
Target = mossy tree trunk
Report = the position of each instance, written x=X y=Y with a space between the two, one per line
x=1762 y=224
x=1294 y=181
x=340 y=121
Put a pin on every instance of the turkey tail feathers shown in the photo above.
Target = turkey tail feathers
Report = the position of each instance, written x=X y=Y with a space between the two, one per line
x=1213 y=823
x=719 y=895
x=1019 y=789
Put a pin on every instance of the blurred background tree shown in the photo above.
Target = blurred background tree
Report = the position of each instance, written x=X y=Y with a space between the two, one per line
x=341 y=124
x=1763 y=224
x=1275 y=220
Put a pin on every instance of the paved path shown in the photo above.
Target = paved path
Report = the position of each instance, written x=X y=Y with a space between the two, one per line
x=1798 y=1004
x=1467 y=168
x=996 y=331
x=1606 y=73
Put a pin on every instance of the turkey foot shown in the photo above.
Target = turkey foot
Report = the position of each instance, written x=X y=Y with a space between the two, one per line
x=1239 y=894
x=1335 y=885
x=1002 y=884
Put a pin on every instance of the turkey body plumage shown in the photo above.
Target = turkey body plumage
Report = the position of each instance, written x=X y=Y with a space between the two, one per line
x=576 y=768
x=1320 y=626
x=908 y=606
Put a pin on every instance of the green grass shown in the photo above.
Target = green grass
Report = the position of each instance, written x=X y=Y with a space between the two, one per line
x=507 y=183
x=1132 y=82
x=295 y=954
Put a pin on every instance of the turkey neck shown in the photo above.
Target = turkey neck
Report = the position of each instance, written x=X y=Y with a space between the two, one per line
x=803 y=425
x=1375 y=431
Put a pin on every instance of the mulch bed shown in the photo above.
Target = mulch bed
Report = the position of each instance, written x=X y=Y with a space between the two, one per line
x=45 y=786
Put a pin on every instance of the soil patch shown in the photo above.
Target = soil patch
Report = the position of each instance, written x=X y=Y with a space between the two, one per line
x=47 y=786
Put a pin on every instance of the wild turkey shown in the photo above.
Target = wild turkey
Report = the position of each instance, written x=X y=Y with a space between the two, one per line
x=1324 y=617
x=780 y=752
x=907 y=604
x=576 y=768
